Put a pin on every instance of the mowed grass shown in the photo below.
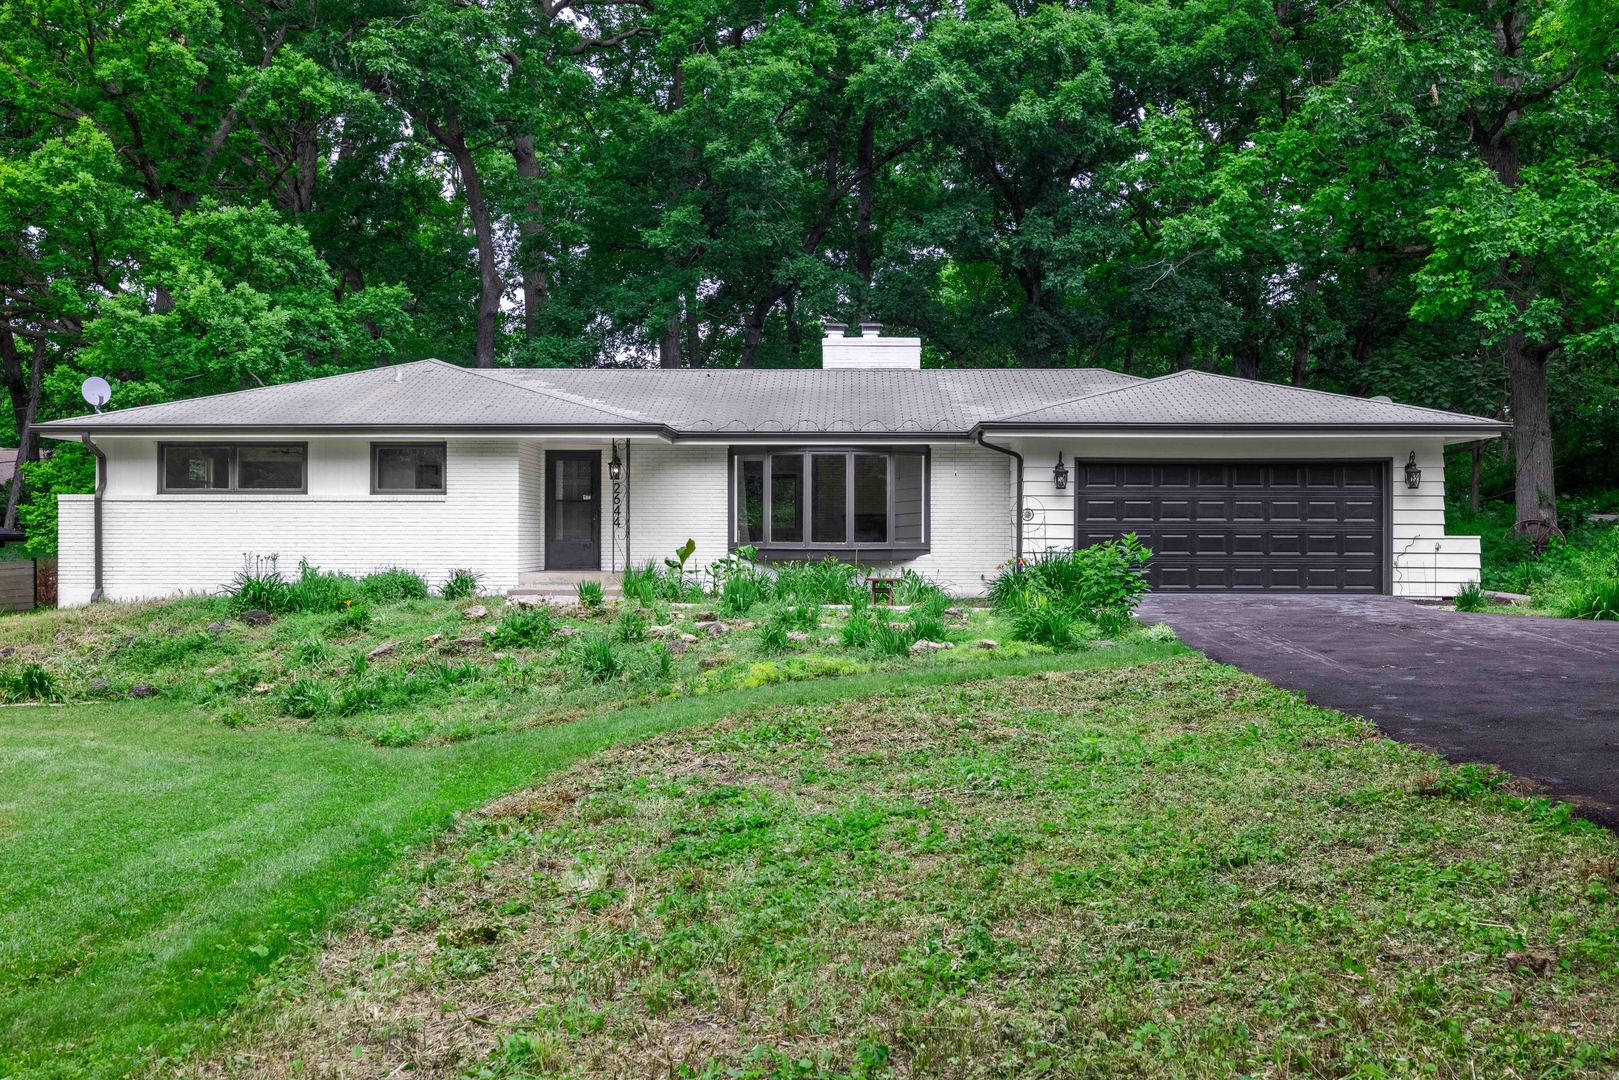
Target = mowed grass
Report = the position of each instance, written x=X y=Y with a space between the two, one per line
x=1161 y=867
x=155 y=862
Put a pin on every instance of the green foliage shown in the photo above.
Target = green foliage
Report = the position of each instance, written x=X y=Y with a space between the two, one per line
x=590 y=594
x=856 y=633
x=630 y=626
x=460 y=585
x=773 y=638
x=1594 y=599
x=70 y=470
x=259 y=585
x=826 y=581
x=1100 y=585
x=891 y=639
x=28 y=682
x=649 y=583
x=524 y=628
x=352 y=619
x=915 y=590
x=1047 y=621
x=1471 y=598
x=739 y=592
x=392 y=586
x=596 y=658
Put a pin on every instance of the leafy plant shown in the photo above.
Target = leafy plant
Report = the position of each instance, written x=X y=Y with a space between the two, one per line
x=311 y=652
x=1471 y=598
x=631 y=625
x=1046 y=621
x=1100 y=584
x=590 y=594
x=306 y=699
x=460 y=585
x=739 y=593
x=28 y=682
x=891 y=639
x=1597 y=599
x=799 y=617
x=259 y=585
x=927 y=627
x=856 y=632
x=323 y=591
x=913 y=589
x=524 y=628
x=826 y=581
x=597 y=659
x=393 y=585
x=353 y=619
x=773 y=638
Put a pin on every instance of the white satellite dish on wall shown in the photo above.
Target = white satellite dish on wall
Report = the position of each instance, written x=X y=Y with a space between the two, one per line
x=96 y=392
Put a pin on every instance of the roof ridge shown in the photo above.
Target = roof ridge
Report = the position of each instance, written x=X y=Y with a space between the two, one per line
x=1138 y=384
x=243 y=390
x=550 y=392
x=1333 y=394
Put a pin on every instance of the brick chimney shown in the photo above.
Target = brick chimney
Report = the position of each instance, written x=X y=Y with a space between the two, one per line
x=870 y=350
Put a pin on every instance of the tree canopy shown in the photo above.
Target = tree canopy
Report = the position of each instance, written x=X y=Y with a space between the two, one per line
x=1373 y=196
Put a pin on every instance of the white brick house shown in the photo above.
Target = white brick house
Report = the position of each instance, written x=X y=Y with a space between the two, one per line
x=1236 y=485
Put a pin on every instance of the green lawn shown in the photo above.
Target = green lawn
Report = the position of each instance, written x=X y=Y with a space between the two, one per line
x=1162 y=868
x=155 y=862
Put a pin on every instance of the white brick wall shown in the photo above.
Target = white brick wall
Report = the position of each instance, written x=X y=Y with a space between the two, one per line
x=676 y=493
x=1418 y=516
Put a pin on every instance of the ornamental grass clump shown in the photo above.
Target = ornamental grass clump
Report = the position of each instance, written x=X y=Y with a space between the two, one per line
x=826 y=581
x=1471 y=598
x=525 y=628
x=392 y=586
x=591 y=594
x=460 y=585
x=596 y=658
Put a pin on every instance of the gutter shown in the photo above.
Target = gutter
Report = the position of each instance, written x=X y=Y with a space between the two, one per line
x=1017 y=515
x=101 y=489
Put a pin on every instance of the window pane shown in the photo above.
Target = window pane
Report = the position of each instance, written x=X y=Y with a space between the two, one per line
x=830 y=484
x=871 y=498
x=750 y=501
x=196 y=468
x=410 y=468
x=908 y=509
x=786 y=498
x=270 y=468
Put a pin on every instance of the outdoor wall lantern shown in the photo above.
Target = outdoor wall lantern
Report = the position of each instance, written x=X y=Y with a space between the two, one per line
x=1059 y=475
x=1413 y=475
x=615 y=467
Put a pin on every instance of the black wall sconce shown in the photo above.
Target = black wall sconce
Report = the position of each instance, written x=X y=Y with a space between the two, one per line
x=615 y=467
x=1413 y=475
x=1059 y=475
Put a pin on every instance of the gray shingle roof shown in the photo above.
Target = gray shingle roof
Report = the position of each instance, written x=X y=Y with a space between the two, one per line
x=431 y=395
x=1199 y=399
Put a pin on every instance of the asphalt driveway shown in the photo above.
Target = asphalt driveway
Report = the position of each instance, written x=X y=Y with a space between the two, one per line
x=1538 y=697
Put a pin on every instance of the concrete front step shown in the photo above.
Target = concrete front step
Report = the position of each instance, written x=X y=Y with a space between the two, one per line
x=561 y=585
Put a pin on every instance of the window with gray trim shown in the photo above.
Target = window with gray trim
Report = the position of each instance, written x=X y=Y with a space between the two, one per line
x=407 y=467
x=205 y=467
x=813 y=499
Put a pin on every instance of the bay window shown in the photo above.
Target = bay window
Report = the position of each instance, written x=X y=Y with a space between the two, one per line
x=798 y=502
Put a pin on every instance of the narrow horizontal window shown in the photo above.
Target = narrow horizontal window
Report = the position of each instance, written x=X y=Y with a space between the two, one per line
x=407 y=467
x=803 y=501
x=274 y=467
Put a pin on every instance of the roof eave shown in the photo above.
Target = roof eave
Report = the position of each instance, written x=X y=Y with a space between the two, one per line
x=63 y=429
x=1468 y=430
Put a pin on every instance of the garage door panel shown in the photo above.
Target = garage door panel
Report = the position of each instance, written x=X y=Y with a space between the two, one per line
x=1259 y=526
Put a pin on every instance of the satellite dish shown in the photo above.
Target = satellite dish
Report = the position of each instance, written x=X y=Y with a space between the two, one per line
x=96 y=392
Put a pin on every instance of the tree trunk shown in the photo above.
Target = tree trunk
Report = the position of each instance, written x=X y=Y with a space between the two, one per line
x=1245 y=359
x=1533 y=479
x=754 y=331
x=1473 y=476
x=530 y=260
x=669 y=343
x=694 y=356
x=450 y=136
x=29 y=387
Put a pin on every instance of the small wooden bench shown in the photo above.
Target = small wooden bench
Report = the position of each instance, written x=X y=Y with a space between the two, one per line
x=882 y=589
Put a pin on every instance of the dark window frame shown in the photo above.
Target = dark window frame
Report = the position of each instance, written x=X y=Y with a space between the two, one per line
x=234 y=450
x=768 y=548
x=444 y=470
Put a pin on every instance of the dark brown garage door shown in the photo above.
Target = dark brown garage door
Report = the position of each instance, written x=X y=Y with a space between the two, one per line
x=1271 y=526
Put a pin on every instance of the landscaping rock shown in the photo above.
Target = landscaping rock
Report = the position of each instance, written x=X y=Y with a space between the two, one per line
x=568 y=631
x=706 y=616
x=662 y=631
x=923 y=647
x=708 y=663
x=262 y=688
x=217 y=628
x=1508 y=598
x=687 y=638
x=955 y=614
x=987 y=643
x=387 y=648
x=678 y=648
x=798 y=636
x=256 y=617
x=713 y=628
x=8 y=652
x=144 y=689
x=432 y=639
x=462 y=645
x=475 y=612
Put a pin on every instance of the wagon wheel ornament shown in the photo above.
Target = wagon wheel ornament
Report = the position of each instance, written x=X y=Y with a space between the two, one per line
x=1034 y=521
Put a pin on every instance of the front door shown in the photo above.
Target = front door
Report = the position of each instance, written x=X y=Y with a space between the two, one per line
x=573 y=509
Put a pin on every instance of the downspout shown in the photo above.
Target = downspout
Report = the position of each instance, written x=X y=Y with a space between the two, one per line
x=101 y=489
x=1017 y=510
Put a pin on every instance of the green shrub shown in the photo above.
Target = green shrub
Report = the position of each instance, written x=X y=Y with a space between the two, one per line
x=1471 y=598
x=353 y=619
x=259 y=585
x=1100 y=584
x=590 y=594
x=1595 y=599
x=28 y=682
x=1045 y=621
x=393 y=585
x=739 y=593
x=826 y=581
x=631 y=625
x=596 y=658
x=525 y=628
x=460 y=585
x=773 y=638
